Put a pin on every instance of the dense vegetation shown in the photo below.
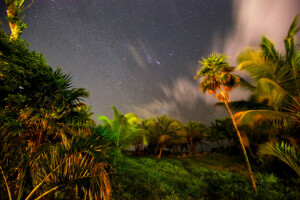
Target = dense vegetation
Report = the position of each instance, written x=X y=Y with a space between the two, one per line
x=214 y=176
x=51 y=148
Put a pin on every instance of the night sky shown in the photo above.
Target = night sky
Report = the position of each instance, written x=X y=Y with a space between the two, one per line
x=142 y=55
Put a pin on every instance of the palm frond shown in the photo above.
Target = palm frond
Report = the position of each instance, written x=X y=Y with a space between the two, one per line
x=272 y=94
x=246 y=105
x=269 y=50
x=284 y=151
x=266 y=121
x=290 y=39
x=77 y=170
x=256 y=64
x=246 y=84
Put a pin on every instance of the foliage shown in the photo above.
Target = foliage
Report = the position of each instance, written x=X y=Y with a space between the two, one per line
x=122 y=131
x=274 y=104
x=196 y=132
x=37 y=102
x=216 y=72
x=46 y=147
x=213 y=176
x=223 y=129
x=285 y=152
x=161 y=131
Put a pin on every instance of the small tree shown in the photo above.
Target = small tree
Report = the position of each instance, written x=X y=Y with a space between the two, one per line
x=161 y=131
x=219 y=81
x=196 y=131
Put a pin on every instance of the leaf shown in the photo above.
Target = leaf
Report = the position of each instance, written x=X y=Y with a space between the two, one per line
x=284 y=151
x=272 y=121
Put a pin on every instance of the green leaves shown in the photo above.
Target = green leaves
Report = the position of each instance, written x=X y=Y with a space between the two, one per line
x=123 y=130
x=284 y=151
x=216 y=72
x=275 y=102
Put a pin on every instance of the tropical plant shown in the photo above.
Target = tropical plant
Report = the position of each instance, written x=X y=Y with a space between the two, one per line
x=284 y=151
x=73 y=169
x=226 y=128
x=275 y=103
x=59 y=112
x=41 y=118
x=218 y=80
x=161 y=130
x=122 y=130
x=196 y=133
x=216 y=134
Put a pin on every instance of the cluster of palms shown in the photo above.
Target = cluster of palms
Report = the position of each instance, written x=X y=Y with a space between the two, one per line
x=152 y=136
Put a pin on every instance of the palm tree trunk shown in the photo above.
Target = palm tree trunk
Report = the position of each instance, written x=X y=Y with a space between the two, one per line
x=243 y=148
x=160 y=150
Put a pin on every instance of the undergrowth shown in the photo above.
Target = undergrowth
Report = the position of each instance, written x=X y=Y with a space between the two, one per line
x=214 y=176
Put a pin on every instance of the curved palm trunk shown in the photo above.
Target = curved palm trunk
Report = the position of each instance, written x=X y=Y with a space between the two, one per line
x=243 y=148
x=160 y=150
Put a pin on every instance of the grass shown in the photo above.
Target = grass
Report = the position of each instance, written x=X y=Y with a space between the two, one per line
x=214 y=176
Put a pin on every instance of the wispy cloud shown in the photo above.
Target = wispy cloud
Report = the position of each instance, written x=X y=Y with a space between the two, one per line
x=255 y=18
x=136 y=56
x=179 y=100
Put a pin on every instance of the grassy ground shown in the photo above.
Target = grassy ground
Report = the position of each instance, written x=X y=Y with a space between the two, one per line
x=213 y=176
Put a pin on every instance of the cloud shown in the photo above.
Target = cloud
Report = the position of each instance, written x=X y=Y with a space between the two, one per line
x=252 y=19
x=255 y=18
x=180 y=100
x=136 y=56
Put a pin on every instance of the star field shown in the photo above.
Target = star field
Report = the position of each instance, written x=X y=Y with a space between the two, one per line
x=130 y=53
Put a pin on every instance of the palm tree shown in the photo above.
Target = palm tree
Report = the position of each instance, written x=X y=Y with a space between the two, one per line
x=275 y=103
x=195 y=132
x=216 y=136
x=58 y=112
x=123 y=130
x=162 y=129
x=219 y=81
x=16 y=24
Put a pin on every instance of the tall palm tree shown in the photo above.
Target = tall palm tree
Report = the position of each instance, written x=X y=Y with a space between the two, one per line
x=219 y=81
x=16 y=24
